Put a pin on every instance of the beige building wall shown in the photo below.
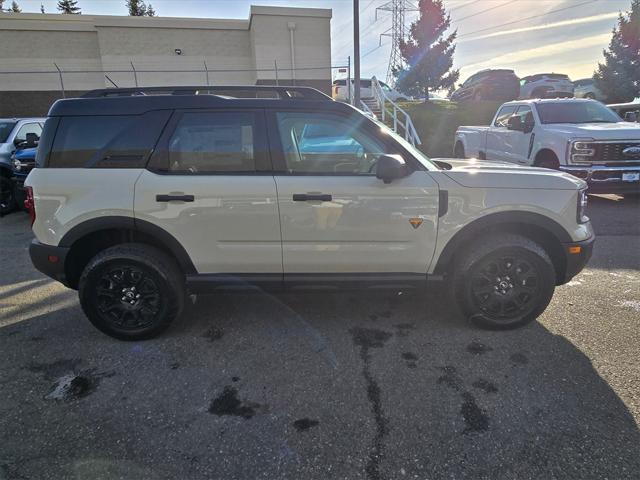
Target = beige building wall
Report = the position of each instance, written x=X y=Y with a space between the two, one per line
x=234 y=51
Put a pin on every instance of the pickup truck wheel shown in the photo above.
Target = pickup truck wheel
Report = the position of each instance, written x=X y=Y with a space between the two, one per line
x=131 y=291
x=7 y=198
x=504 y=281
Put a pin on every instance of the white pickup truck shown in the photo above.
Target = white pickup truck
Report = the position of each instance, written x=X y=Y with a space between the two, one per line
x=579 y=136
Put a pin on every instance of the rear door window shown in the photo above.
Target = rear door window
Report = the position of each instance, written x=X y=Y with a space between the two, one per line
x=217 y=143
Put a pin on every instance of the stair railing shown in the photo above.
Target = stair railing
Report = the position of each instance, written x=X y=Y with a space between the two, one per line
x=398 y=116
x=363 y=106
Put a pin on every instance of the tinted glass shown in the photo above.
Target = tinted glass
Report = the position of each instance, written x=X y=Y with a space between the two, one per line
x=525 y=114
x=211 y=142
x=5 y=129
x=119 y=141
x=576 y=112
x=342 y=83
x=322 y=143
x=503 y=115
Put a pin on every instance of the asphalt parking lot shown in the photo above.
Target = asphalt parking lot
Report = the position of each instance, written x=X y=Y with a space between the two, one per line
x=327 y=386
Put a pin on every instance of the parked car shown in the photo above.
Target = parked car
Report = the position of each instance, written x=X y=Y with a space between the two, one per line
x=586 y=88
x=139 y=200
x=23 y=161
x=499 y=85
x=546 y=85
x=579 y=136
x=13 y=132
x=629 y=112
x=341 y=92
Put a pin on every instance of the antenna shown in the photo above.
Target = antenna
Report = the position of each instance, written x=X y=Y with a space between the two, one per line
x=397 y=32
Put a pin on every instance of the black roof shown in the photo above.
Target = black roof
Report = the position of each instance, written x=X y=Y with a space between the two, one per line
x=138 y=100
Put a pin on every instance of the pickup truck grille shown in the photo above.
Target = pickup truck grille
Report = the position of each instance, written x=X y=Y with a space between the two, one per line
x=612 y=152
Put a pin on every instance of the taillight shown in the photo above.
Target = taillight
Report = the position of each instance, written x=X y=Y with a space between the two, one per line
x=30 y=205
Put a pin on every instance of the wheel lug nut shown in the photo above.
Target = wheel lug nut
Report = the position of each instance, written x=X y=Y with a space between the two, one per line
x=124 y=299
x=138 y=295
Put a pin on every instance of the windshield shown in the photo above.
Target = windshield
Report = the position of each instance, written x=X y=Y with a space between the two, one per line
x=420 y=156
x=577 y=112
x=5 y=130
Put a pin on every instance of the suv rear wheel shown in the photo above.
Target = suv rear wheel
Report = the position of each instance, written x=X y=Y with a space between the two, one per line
x=504 y=281
x=131 y=291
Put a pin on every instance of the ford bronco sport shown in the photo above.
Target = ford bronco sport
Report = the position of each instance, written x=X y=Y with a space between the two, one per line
x=140 y=198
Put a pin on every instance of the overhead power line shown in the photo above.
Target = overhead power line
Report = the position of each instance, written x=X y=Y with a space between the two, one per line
x=484 y=11
x=527 y=18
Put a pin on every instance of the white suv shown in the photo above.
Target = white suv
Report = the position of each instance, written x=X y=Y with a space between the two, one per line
x=546 y=85
x=139 y=199
x=341 y=92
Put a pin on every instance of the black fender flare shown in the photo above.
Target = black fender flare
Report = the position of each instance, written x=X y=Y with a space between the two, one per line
x=486 y=223
x=135 y=225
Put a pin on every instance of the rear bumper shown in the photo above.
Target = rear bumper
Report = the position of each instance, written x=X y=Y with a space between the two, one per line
x=604 y=179
x=49 y=260
x=576 y=261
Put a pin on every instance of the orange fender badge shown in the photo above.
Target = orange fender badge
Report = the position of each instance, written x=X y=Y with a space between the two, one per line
x=415 y=222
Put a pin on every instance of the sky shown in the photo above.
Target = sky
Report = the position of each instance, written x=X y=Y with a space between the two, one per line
x=568 y=41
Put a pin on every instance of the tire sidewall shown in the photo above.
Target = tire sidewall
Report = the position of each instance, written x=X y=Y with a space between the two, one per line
x=546 y=281
x=169 y=301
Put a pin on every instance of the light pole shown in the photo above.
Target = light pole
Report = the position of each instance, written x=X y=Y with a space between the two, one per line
x=356 y=53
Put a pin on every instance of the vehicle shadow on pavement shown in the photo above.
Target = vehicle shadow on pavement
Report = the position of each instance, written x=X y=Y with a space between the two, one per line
x=315 y=386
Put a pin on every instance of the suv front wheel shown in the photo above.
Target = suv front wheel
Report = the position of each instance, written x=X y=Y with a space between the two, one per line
x=504 y=281
x=131 y=291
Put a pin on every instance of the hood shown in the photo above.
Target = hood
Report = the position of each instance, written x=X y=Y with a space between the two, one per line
x=26 y=154
x=475 y=173
x=598 y=131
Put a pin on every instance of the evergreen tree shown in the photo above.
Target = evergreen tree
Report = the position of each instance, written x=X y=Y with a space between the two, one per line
x=69 y=7
x=1 y=5
x=427 y=53
x=41 y=8
x=137 y=8
x=15 y=8
x=619 y=76
x=150 y=11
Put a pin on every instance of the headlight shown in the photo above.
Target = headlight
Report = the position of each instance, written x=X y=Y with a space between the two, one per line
x=581 y=215
x=582 y=151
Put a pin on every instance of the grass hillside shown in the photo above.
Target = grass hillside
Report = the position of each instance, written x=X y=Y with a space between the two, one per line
x=436 y=122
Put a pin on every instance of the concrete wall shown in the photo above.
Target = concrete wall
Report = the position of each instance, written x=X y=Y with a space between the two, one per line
x=245 y=49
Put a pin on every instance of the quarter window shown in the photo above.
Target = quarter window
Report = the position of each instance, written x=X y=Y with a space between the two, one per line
x=503 y=116
x=325 y=144
x=209 y=142
x=525 y=114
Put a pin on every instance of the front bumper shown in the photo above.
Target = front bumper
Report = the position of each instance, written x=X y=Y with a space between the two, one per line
x=49 y=260
x=577 y=254
x=606 y=179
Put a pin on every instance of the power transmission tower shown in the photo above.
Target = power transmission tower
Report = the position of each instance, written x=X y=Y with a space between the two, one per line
x=396 y=32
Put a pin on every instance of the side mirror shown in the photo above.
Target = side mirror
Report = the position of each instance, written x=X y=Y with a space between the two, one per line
x=390 y=167
x=32 y=140
x=515 y=123
x=17 y=141
x=631 y=117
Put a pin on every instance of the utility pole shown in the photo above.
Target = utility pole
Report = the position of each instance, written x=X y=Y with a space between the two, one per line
x=356 y=53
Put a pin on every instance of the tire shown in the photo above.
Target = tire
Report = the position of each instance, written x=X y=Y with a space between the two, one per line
x=547 y=160
x=131 y=269
x=590 y=95
x=487 y=281
x=458 y=151
x=7 y=196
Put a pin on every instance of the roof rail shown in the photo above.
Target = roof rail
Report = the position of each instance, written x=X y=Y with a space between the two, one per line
x=234 y=91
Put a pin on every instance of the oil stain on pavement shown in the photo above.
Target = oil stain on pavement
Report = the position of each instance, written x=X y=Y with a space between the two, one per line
x=304 y=424
x=366 y=339
x=228 y=403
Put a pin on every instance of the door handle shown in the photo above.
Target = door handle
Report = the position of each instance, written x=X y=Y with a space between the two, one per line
x=171 y=198
x=305 y=197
